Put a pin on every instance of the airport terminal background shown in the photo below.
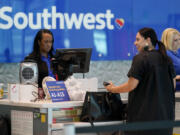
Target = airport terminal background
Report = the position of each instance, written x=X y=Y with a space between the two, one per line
x=109 y=27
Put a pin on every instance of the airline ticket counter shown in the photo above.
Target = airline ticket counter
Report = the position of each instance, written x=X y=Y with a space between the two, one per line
x=47 y=118
x=43 y=117
x=35 y=118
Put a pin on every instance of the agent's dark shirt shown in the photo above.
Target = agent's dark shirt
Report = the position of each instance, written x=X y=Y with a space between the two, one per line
x=153 y=99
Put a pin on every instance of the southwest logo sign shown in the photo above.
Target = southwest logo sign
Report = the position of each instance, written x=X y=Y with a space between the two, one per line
x=119 y=23
x=51 y=19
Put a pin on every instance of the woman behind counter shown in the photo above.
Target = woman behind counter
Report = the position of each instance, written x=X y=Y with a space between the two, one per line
x=42 y=54
x=151 y=84
x=171 y=39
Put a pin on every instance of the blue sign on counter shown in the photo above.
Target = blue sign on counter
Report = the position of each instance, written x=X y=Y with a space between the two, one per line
x=57 y=91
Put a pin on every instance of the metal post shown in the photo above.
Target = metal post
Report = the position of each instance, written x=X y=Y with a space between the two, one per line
x=69 y=129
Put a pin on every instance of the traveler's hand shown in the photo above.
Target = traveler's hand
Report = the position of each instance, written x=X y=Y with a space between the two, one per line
x=110 y=87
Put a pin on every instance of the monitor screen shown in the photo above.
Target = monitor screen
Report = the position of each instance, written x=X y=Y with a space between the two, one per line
x=71 y=60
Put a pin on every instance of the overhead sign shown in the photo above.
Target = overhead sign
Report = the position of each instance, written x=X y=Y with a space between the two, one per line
x=108 y=27
x=49 y=19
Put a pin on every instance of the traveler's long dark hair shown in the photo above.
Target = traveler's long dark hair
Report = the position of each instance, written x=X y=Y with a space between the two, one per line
x=38 y=37
x=149 y=32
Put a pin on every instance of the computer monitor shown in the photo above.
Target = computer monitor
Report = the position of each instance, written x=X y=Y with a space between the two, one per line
x=71 y=60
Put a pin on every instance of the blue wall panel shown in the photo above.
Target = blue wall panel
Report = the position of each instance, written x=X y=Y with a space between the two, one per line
x=83 y=23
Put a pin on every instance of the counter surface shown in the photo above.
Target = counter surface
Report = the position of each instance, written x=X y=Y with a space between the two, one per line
x=46 y=103
x=42 y=104
x=84 y=124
